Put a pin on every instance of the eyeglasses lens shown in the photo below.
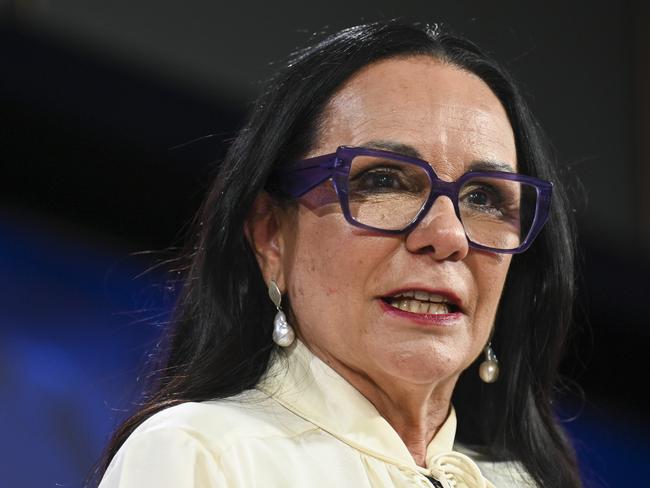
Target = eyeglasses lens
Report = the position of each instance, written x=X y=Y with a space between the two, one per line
x=495 y=212
x=388 y=194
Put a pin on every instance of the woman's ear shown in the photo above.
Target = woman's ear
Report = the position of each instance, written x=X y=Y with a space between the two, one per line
x=264 y=231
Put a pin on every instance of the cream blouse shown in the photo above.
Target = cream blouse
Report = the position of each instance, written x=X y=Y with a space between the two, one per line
x=304 y=425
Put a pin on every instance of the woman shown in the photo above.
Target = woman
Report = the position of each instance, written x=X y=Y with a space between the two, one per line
x=360 y=264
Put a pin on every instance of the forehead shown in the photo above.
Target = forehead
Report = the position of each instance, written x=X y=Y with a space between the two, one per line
x=449 y=116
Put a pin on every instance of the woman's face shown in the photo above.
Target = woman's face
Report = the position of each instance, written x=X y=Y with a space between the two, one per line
x=344 y=282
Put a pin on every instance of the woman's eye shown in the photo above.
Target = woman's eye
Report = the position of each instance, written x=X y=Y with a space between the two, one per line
x=482 y=199
x=388 y=178
x=478 y=198
x=380 y=179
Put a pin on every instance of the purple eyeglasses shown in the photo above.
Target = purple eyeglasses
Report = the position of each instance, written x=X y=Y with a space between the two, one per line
x=390 y=193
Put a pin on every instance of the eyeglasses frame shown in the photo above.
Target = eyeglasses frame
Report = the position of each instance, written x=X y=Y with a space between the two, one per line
x=298 y=178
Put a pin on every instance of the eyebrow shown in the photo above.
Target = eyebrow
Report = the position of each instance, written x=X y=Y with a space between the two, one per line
x=491 y=166
x=406 y=150
x=396 y=147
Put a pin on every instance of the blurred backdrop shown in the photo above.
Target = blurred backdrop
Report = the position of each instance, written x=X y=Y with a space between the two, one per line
x=113 y=115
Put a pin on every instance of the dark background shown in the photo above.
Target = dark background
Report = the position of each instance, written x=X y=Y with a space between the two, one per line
x=98 y=100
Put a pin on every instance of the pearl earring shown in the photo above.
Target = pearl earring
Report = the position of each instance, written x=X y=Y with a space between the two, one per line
x=283 y=334
x=489 y=368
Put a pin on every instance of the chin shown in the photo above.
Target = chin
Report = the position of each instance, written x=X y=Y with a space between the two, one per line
x=423 y=369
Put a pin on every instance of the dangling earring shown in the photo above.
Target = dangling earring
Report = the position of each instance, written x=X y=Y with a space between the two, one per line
x=283 y=334
x=489 y=368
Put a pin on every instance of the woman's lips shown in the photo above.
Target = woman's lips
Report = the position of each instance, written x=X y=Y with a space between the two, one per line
x=423 y=306
x=421 y=318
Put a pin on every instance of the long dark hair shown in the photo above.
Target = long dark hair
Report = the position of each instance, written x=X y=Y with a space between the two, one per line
x=219 y=342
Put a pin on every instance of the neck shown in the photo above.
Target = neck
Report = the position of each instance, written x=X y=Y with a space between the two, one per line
x=416 y=422
x=415 y=411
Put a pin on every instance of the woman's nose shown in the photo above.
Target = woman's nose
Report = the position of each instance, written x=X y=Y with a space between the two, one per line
x=439 y=233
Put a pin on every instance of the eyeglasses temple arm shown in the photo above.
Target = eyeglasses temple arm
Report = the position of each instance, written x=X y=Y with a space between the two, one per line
x=298 y=178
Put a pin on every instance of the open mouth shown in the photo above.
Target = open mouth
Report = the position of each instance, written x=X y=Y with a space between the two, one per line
x=421 y=302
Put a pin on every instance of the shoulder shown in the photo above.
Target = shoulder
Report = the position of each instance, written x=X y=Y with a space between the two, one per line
x=503 y=474
x=189 y=441
x=222 y=422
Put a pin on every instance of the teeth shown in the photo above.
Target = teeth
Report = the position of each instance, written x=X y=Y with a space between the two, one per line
x=422 y=296
x=418 y=306
x=420 y=302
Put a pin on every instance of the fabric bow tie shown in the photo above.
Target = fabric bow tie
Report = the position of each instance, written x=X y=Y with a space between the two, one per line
x=456 y=470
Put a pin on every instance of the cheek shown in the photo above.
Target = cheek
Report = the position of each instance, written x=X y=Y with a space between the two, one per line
x=329 y=270
x=490 y=271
